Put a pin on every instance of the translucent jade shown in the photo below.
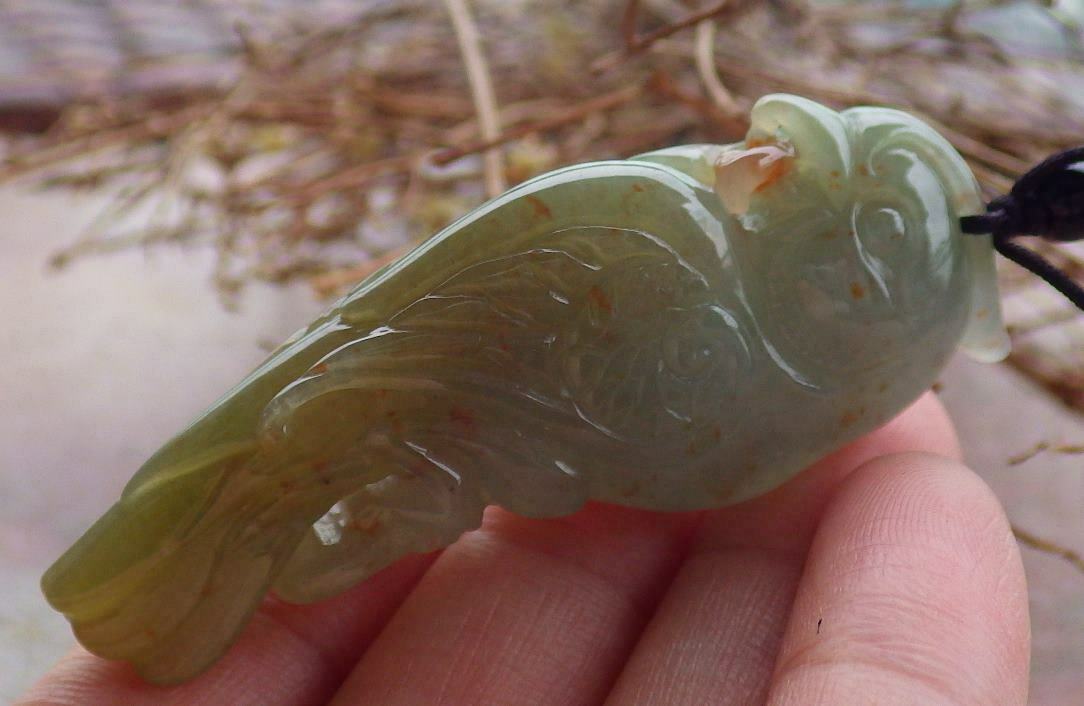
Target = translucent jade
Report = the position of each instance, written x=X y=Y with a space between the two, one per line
x=682 y=330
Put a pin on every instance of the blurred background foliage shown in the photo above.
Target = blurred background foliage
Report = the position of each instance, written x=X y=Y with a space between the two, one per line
x=318 y=140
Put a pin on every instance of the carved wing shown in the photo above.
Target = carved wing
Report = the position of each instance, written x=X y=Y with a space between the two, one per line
x=533 y=381
x=581 y=337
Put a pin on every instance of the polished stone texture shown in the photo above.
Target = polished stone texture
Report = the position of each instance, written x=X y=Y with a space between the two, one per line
x=129 y=318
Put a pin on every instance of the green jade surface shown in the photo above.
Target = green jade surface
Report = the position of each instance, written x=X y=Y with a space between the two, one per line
x=683 y=330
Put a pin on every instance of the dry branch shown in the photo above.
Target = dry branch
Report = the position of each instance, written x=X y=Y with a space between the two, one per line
x=336 y=148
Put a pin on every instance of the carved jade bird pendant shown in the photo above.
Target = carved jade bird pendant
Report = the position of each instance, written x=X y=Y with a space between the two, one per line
x=685 y=329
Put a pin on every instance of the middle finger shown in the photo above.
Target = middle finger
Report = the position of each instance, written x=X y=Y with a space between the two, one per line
x=525 y=612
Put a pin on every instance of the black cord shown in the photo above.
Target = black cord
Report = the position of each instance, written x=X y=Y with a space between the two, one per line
x=1046 y=270
x=1047 y=202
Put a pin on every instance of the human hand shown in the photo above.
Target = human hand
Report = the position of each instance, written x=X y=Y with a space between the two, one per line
x=883 y=574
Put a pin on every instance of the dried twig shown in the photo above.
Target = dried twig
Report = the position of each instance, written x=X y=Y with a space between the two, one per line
x=485 y=102
x=636 y=43
x=705 y=66
x=331 y=283
x=335 y=147
x=572 y=114
x=1047 y=547
x=1071 y=449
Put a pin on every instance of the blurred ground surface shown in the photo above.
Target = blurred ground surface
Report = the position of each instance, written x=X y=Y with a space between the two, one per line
x=101 y=363
x=52 y=51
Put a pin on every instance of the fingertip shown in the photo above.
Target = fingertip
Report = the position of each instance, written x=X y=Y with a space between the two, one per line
x=924 y=426
x=914 y=588
x=787 y=517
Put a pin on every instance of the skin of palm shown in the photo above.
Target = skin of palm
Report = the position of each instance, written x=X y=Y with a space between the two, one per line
x=683 y=330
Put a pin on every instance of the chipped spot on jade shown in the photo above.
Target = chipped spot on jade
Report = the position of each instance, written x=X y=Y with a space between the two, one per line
x=683 y=330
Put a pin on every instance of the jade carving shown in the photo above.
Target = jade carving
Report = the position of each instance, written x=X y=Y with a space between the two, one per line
x=682 y=330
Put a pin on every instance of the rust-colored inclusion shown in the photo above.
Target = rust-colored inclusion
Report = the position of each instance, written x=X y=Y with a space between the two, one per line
x=740 y=173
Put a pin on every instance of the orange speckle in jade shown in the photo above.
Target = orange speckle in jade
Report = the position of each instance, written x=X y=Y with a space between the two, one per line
x=597 y=297
x=369 y=526
x=857 y=290
x=863 y=170
x=318 y=467
x=461 y=415
x=319 y=368
x=775 y=171
x=540 y=208
x=637 y=187
x=851 y=416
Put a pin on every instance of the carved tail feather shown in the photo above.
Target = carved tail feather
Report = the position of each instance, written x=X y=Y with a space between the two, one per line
x=158 y=579
x=374 y=527
x=170 y=576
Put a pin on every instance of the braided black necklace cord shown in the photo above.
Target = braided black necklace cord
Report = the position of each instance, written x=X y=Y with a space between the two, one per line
x=1047 y=202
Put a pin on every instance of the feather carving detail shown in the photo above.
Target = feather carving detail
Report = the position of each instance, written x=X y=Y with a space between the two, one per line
x=609 y=331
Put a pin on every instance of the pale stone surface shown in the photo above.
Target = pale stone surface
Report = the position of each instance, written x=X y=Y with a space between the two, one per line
x=100 y=364
x=1000 y=414
x=103 y=362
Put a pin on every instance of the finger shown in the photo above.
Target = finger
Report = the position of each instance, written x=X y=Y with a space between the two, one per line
x=288 y=656
x=913 y=591
x=525 y=612
x=786 y=518
x=717 y=632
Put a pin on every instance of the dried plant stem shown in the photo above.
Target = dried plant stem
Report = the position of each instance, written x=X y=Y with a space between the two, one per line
x=628 y=22
x=704 y=51
x=365 y=124
x=1047 y=547
x=331 y=283
x=734 y=126
x=153 y=127
x=485 y=101
x=636 y=43
x=1065 y=384
x=1023 y=328
x=355 y=176
x=978 y=150
x=573 y=114
x=1069 y=449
